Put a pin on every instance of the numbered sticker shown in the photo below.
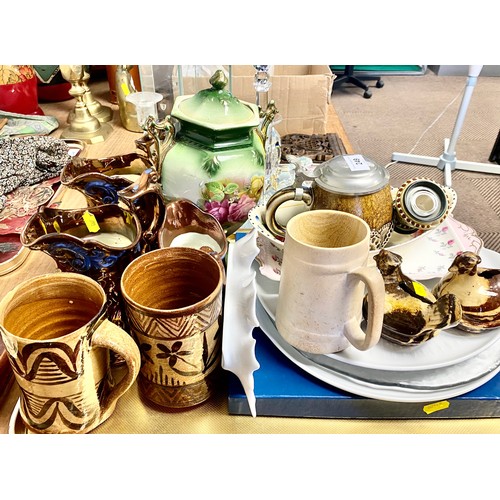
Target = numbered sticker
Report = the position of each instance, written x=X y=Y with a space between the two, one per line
x=91 y=222
x=356 y=162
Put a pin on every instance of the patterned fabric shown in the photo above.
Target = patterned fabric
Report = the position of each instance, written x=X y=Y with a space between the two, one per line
x=19 y=124
x=25 y=161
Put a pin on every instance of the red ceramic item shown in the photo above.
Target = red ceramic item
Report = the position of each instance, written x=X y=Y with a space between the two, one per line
x=19 y=90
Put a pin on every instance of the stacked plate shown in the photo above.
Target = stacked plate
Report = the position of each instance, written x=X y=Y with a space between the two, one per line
x=452 y=363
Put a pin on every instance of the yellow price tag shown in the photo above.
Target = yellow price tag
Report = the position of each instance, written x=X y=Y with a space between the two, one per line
x=433 y=407
x=91 y=222
x=125 y=89
x=419 y=289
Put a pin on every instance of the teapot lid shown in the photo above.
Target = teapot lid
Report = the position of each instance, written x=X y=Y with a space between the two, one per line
x=351 y=175
x=216 y=108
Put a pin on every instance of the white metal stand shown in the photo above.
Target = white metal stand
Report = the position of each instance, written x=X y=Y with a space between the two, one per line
x=448 y=160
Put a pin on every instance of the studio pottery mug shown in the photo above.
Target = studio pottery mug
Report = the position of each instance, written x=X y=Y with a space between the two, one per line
x=58 y=340
x=173 y=298
x=96 y=241
x=348 y=183
x=323 y=279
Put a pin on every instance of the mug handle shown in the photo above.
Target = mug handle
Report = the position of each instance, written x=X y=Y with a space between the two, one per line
x=374 y=282
x=303 y=193
x=112 y=337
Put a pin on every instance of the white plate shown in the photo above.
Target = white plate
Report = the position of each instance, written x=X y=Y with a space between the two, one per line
x=354 y=386
x=422 y=380
x=449 y=347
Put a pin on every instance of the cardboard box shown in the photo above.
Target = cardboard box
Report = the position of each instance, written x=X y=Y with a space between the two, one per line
x=301 y=93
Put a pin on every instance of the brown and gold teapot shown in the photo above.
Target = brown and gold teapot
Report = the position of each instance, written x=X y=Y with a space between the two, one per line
x=349 y=183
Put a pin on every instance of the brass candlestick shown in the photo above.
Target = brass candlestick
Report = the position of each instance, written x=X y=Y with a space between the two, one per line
x=82 y=124
x=102 y=113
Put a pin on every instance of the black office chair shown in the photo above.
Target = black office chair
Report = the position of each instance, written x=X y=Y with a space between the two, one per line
x=348 y=77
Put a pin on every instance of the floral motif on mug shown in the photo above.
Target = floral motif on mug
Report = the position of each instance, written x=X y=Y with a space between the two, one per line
x=176 y=356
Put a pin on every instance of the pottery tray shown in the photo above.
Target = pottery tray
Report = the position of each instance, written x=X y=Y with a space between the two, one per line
x=284 y=390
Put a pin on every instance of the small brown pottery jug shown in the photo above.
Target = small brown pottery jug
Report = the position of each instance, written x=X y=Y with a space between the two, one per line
x=412 y=315
x=478 y=290
x=187 y=225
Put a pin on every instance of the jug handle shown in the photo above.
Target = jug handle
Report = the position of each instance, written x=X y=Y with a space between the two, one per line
x=267 y=117
x=146 y=184
x=374 y=284
x=145 y=144
x=163 y=133
x=304 y=193
x=110 y=336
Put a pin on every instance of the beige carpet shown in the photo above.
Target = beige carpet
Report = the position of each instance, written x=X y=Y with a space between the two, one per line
x=415 y=114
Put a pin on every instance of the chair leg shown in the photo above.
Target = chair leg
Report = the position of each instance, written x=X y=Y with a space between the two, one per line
x=348 y=77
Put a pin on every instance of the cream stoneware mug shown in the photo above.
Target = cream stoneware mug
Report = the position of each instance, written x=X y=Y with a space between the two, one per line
x=58 y=341
x=323 y=280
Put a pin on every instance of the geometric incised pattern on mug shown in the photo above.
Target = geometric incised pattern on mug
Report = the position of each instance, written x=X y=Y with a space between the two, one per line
x=41 y=413
x=47 y=365
x=174 y=328
x=179 y=396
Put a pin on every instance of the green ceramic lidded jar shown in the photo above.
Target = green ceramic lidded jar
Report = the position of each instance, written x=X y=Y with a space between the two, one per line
x=215 y=155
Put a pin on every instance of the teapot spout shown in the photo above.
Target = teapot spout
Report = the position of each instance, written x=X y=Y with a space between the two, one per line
x=267 y=117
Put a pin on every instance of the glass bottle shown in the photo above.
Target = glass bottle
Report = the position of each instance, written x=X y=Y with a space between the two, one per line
x=125 y=86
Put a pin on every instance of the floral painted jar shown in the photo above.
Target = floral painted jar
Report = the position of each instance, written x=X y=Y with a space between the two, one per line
x=210 y=150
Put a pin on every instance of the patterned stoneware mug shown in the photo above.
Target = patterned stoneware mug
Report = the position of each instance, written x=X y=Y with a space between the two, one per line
x=173 y=300
x=58 y=340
